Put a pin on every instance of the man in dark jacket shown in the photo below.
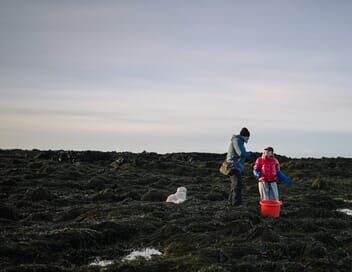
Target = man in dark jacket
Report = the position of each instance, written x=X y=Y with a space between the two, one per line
x=237 y=155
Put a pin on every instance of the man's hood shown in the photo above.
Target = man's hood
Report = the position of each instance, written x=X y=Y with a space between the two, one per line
x=240 y=138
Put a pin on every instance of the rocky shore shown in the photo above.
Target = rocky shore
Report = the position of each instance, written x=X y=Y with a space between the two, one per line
x=106 y=211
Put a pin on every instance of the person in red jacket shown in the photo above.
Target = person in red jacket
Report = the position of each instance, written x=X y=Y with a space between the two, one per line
x=265 y=169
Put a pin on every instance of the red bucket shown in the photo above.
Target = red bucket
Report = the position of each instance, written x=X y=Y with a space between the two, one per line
x=270 y=208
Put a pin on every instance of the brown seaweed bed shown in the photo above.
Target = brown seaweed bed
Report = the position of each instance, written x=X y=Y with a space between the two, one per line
x=88 y=210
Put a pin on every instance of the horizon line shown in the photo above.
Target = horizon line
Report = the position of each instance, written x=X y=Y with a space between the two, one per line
x=164 y=153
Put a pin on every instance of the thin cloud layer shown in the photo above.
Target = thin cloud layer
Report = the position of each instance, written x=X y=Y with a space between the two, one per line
x=165 y=76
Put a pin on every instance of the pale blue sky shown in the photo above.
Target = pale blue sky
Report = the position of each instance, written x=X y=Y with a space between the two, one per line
x=171 y=76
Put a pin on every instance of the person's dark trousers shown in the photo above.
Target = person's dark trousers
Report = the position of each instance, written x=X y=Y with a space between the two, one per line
x=235 y=196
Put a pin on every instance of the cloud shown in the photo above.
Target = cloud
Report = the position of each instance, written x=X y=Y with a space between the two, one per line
x=265 y=107
x=179 y=75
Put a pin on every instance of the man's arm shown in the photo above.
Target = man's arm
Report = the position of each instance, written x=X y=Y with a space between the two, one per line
x=240 y=149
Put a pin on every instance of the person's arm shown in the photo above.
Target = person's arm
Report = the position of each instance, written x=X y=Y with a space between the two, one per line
x=240 y=149
x=281 y=176
x=257 y=167
x=277 y=166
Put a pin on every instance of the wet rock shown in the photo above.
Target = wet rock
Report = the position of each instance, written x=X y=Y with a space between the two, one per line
x=296 y=248
x=250 y=258
x=326 y=238
x=127 y=195
x=46 y=217
x=201 y=226
x=155 y=196
x=213 y=268
x=112 y=231
x=8 y=212
x=117 y=163
x=92 y=156
x=247 y=267
x=74 y=237
x=167 y=231
x=35 y=165
x=9 y=182
x=45 y=155
x=29 y=204
x=70 y=214
x=215 y=196
x=292 y=266
x=73 y=174
x=212 y=255
x=241 y=251
x=316 y=250
x=45 y=169
x=35 y=268
x=318 y=184
x=181 y=248
x=97 y=183
x=66 y=156
x=106 y=194
x=125 y=210
x=38 y=194
x=328 y=204
x=239 y=226
x=334 y=223
x=17 y=161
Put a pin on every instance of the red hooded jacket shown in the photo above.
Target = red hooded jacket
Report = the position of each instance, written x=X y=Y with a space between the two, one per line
x=268 y=167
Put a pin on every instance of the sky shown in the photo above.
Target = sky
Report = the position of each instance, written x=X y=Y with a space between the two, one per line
x=176 y=76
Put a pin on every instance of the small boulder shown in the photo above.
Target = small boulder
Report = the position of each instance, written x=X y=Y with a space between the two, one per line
x=154 y=195
x=45 y=169
x=91 y=156
x=35 y=165
x=117 y=163
x=127 y=195
x=215 y=196
x=74 y=237
x=47 y=217
x=97 y=183
x=8 y=212
x=106 y=194
x=38 y=194
x=317 y=184
x=316 y=250
x=45 y=155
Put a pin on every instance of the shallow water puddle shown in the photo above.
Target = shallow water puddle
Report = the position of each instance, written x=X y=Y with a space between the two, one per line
x=346 y=211
x=146 y=253
x=101 y=263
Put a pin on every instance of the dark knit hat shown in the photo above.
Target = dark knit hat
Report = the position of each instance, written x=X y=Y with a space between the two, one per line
x=244 y=132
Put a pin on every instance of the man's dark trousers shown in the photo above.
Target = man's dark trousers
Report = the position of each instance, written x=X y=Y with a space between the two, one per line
x=235 y=196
